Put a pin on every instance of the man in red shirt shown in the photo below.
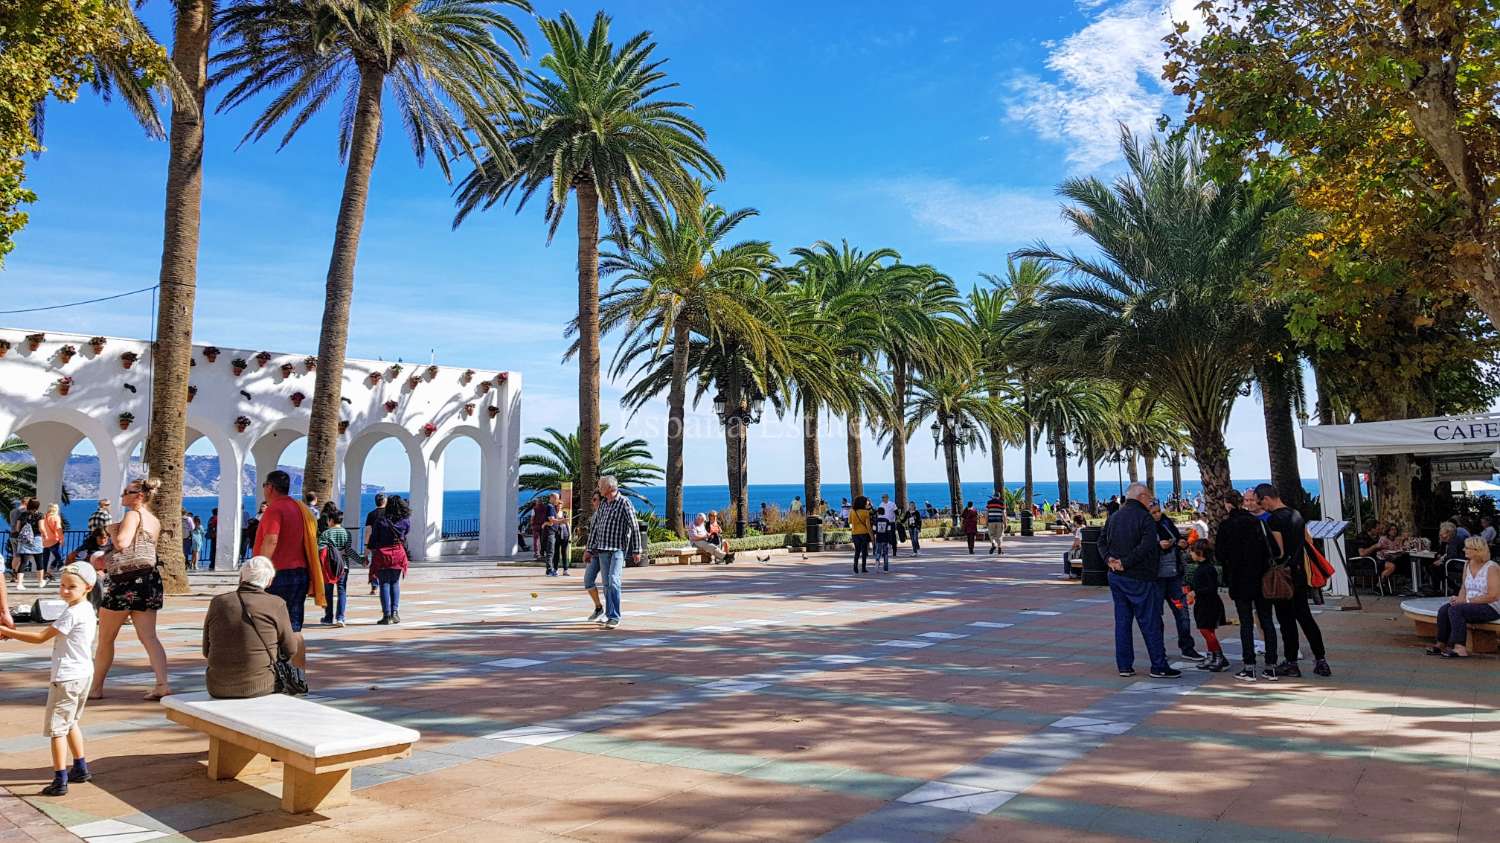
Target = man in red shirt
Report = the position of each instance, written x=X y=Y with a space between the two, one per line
x=282 y=538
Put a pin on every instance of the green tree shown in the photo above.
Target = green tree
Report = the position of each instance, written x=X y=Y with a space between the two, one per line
x=52 y=48
x=448 y=74
x=1022 y=286
x=676 y=278
x=961 y=408
x=1062 y=409
x=986 y=316
x=17 y=478
x=558 y=459
x=593 y=128
x=1161 y=308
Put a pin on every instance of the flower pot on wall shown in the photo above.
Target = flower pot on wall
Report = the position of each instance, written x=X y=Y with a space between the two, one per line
x=241 y=423
x=310 y=364
x=192 y=393
x=262 y=359
x=286 y=370
x=297 y=399
x=411 y=382
x=128 y=359
x=390 y=406
x=34 y=341
x=211 y=353
x=238 y=366
x=64 y=385
x=125 y=419
x=343 y=426
x=67 y=353
x=97 y=344
x=494 y=411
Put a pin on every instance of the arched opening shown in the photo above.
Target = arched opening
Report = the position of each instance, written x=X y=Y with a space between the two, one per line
x=471 y=515
x=385 y=457
x=213 y=490
x=73 y=464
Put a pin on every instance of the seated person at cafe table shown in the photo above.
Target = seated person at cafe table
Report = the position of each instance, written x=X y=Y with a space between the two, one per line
x=1451 y=539
x=1477 y=601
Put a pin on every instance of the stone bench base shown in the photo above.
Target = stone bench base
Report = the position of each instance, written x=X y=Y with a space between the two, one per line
x=1482 y=636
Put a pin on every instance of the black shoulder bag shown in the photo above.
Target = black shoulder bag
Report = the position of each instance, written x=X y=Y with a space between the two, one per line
x=290 y=679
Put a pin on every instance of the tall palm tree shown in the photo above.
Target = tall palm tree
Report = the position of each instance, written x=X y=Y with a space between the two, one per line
x=1065 y=408
x=593 y=128
x=1022 y=286
x=559 y=459
x=1162 y=308
x=447 y=72
x=849 y=269
x=985 y=316
x=960 y=406
x=919 y=329
x=675 y=279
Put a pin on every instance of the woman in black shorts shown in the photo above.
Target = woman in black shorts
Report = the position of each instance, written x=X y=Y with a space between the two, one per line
x=135 y=589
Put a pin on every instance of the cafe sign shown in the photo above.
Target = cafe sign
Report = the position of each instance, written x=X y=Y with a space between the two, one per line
x=1473 y=468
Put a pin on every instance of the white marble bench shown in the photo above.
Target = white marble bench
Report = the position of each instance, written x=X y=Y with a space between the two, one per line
x=318 y=746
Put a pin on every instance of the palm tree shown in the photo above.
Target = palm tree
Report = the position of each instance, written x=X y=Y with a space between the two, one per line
x=959 y=404
x=919 y=329
x=17 y=477
x=986 y=319
x=561 y=461
x=1064 y=408
x=172 y=354
x=853 y=274
x=448 y=74
x=593 y=128
x=1022 y=286
x=1162 y=308
x=676 y=278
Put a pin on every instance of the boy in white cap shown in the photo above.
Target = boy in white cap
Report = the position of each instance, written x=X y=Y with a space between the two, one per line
x=72 y=672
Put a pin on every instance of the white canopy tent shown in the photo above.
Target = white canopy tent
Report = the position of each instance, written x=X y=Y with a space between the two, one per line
x=1467 y=442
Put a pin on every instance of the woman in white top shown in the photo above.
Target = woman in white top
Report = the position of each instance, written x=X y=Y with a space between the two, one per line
x=1477 y=602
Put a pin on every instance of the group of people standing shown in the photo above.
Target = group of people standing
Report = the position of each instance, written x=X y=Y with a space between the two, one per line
x=551 y=534
x=882 y=529
x=1261 y=544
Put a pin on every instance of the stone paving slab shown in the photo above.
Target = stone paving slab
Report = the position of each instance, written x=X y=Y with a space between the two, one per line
x=957 y=698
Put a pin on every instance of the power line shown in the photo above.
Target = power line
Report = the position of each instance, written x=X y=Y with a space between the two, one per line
x=80 y=303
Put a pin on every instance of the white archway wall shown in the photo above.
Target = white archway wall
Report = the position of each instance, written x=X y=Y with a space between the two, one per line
x=418 y=483
x=231 y=491
x=237 y=412
x=492 y=519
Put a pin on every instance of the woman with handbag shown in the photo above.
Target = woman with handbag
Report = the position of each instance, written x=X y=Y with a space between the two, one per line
x=388 y=557
x=1244 y=551
x=135 y=588
x=248 y=638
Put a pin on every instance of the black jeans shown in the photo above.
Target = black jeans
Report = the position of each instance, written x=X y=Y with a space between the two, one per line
x=861 y=551
x=1248 y=611
x=970 y=537
x=1181 y=614
x=1293 y=613
x=561 y=555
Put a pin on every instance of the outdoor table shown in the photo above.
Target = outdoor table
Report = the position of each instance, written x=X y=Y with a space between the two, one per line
x=1412 y=556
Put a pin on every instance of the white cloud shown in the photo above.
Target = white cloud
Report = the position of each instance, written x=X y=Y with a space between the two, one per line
x=958 y=213
x=1104 y=75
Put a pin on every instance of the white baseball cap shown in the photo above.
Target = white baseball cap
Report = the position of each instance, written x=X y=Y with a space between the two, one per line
x=83 y=571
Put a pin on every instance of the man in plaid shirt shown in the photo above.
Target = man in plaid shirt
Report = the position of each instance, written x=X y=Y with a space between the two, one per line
x=613 y=536
x=100 y=518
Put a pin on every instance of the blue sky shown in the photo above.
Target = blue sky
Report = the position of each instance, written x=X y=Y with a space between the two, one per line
x=939 y=132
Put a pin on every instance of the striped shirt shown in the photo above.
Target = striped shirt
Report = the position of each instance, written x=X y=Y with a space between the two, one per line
x=613 y=527
x=334 y=537
x=994 y=510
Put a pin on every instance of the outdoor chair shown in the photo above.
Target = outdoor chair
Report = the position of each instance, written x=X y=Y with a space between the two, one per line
x=1353 y=565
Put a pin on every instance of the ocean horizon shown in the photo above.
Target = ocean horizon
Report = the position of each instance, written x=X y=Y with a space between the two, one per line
x=462 y=504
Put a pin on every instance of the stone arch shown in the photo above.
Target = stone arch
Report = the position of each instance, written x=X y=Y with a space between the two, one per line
x=491 y=499
x=52 y=432
x=231 y=488
x=361 y=441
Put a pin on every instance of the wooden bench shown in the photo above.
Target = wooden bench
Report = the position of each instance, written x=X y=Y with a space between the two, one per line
x=318 y=746
x=1422 y=612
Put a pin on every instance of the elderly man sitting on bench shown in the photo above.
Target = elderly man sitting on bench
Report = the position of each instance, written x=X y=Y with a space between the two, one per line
x=699 y=536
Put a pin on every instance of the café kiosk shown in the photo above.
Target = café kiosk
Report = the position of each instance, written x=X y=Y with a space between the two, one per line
x=1466 y=447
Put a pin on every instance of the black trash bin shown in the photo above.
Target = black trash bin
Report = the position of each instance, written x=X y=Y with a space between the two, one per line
x=814 y=537
x=1026 y=522
x=1095 y=572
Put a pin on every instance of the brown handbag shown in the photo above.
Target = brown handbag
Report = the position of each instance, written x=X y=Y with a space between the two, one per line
x=1276 y=582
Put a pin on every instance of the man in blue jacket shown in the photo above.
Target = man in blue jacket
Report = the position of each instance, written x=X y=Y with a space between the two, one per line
x=1133 y=552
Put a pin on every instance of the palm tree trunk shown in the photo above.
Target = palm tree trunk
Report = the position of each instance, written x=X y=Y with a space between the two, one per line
x=1089 y=460
x=1281 y=433
x=1060 y=452
x=1132 y=470
x=172 y=355
x=856 y=456
x=1149 y=457
x=997 y=451
x=950 y=456
x=588 y=341
x=676 y=410
x=812 y=486
x=1212 y=457
x=1026 y=409
x=898 y=430
x=323 y=428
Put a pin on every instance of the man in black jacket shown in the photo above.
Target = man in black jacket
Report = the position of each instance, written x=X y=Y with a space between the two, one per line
x=1244 y=551
x=1130 y=547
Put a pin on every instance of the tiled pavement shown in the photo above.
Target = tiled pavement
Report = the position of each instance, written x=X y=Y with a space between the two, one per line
x=958 y=698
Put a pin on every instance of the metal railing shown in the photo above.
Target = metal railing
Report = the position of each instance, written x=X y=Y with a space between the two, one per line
x=70 y=542
x=460 y=529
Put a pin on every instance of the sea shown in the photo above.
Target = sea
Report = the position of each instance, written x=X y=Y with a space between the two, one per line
x=463 y=504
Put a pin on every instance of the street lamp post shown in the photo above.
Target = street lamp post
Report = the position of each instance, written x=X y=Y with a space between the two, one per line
x=741 y=413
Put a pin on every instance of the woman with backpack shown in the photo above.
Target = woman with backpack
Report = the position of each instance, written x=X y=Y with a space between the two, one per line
x=334 y=546
x=29 y=545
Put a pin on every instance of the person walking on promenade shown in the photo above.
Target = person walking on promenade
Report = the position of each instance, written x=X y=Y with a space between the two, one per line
x=1133 y=552
x=1477 y=602
x=288 y=536
x=388 y=559
x=52 y=540
x=884 y=530
x=562 y=535
x=1171 y=574
x=994 y=521
x=542 y=513
x=860 y=532
x=135 y=591
x=1208 y=609
x=213 y=537
x=614 y=537
x=1244 y=547
x=28 y=555
x=913 y=522
x=1289 y=529
x=969 y=521
x=334 y=545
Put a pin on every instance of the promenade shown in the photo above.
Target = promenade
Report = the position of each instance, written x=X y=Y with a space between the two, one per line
x=956 y=698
